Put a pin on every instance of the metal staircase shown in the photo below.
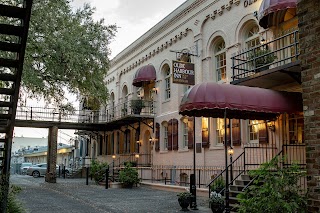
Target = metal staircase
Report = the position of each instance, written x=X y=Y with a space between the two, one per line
x=14 y=25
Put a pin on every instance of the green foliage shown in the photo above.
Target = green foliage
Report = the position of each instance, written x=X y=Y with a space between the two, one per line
x=98 y=170
x=216 y=198
x=138 y=103
x=260 y=57
x=13 y=206
x=66 y=50
x=129 y=175
x=274 y=190
x=218 y=185
x=184 y=195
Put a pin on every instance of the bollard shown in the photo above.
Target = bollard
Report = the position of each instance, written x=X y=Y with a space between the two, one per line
x=64 y=172
x=107 y=177
x=87 y=176
x=59 y=171
x=165 y=181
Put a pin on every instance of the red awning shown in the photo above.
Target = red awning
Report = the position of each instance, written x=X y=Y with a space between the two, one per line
x=210 y=99
x=273 y=11
x=145 y=74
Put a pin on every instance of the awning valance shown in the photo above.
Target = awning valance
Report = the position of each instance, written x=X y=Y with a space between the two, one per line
x=210 y=99
x=273 y=11
x=145 y=74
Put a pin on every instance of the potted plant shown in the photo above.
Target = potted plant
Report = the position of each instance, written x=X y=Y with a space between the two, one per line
x=260 y=57
x=218 y=185
x=184 y=199
x=216 y=202
x=137 y=105
x=128 y=176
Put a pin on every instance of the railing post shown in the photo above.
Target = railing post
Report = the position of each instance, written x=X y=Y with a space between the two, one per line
x=31 y=113
x=64 y=172
x=296 y=44
x=199 y=178
x=107 y=177
x=87 y=176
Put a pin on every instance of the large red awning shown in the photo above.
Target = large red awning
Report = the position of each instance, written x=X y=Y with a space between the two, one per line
x=273 y=11
x=210 y=99
x=145 y=74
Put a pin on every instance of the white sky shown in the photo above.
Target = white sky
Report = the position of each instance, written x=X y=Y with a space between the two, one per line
x=133 y=17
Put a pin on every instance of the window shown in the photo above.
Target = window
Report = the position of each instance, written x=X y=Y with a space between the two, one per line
x=253 y=131
x=205 y=132
x=252 y=37
x=220 y=59
x=220 y=131
x=185 y=134
x=167 y=84
x=165 y=137
x=296 y=133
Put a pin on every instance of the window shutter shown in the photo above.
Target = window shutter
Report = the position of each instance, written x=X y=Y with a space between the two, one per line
x=175 y=134
x=170 y=135
x=190 y=132
x=157 y=142
x=236 y=132
x=263 y=133
x=101 y=144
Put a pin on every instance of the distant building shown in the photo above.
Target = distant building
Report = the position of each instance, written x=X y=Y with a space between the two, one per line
x=18 y=143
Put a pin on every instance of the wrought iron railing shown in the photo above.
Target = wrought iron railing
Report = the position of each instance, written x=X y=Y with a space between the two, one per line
x=280 y=51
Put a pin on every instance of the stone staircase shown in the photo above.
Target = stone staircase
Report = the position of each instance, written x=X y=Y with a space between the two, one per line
x=235 y=189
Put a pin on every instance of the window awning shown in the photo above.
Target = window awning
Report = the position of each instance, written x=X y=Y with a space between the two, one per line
x=210 y=99
x=145 y=74
x=273 y=11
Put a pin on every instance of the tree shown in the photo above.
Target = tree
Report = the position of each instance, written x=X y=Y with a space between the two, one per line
x=66 y=50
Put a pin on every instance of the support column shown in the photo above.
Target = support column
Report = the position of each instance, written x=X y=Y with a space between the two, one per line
x=52 y=155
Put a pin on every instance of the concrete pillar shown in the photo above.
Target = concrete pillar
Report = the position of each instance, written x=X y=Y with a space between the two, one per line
x=52 y=155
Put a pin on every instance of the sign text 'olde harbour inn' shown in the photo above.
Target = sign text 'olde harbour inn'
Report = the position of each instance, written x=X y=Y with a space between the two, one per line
x=183 y=72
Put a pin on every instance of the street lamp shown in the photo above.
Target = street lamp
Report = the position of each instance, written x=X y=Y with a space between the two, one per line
x=113 y=159
x=230 y=152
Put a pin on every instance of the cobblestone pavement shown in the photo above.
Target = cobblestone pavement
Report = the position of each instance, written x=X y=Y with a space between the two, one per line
x=73 y=195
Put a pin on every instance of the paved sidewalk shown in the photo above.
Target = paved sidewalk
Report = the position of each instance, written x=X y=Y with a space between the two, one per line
x=73 y=195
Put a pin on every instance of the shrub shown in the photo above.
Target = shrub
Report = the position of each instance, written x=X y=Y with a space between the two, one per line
x=260 y=57
x=218 y=185
x=275 y=189
x=129 y=176
x=98 y=170
x=13 y=206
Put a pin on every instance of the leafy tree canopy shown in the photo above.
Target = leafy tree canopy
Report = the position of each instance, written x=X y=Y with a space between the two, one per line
x=66 y=50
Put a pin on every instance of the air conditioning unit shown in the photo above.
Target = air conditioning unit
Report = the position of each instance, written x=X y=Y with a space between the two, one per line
x=140 y=92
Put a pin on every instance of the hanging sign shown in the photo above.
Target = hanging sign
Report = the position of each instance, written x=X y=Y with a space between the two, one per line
x=183 y=73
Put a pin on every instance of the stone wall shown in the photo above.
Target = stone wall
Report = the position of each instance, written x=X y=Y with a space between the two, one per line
x=309 y=26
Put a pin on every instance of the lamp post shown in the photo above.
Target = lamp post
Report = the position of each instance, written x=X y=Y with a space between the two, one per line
x=113 y=158
x=230 y=152
x=227 y=208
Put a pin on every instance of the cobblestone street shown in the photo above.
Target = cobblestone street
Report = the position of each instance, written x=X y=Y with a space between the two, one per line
x=73 y=195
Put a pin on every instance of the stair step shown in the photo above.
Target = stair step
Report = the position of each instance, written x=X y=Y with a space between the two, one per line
x=5 y=116
x=246 y=177
x=7 y=76
x=6 y=104
x=242 y=182
x=11 y=11
x=6 y=91
x=3 y=129
x=8 y=29
x=9 y=63
x=3 y=140
x=11 y=47
x=236 y=187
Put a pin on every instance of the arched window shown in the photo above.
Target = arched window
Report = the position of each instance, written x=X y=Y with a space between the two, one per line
x=220 y=59
x=167 y=82
x=252 y=37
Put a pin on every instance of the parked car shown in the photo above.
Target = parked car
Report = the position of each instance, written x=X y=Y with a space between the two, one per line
x=41 y=169
x=24 y=167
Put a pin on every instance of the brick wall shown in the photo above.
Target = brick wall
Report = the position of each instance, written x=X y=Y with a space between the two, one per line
x=309 y=28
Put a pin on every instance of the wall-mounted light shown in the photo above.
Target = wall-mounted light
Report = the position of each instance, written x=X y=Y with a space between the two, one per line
x=154 y=90
x=262 y=40
x=113 y=157
x=272 y=127
x=136 y=156
x=139 y=142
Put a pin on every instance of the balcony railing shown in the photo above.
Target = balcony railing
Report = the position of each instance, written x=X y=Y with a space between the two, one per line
x=280 y=51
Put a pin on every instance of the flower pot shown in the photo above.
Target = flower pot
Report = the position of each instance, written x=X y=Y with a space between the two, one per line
x=184 y=203
x=217 y=208
x=127 y=185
